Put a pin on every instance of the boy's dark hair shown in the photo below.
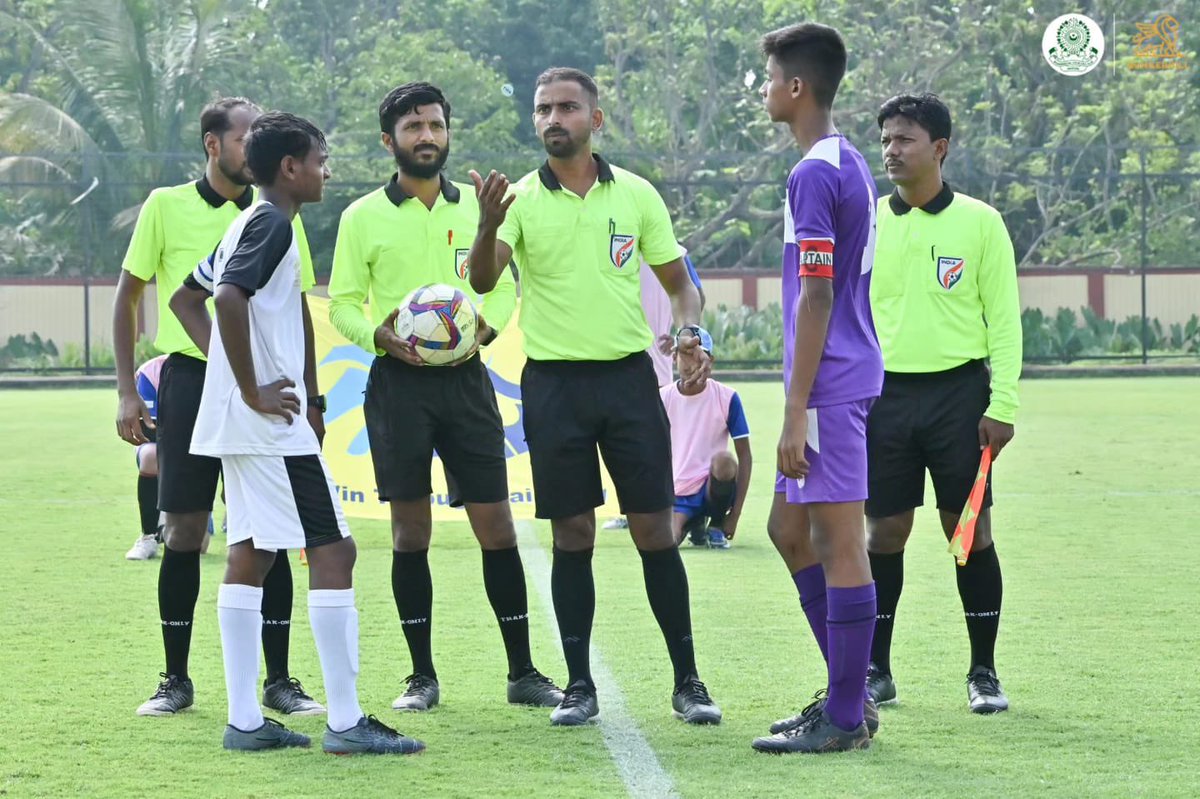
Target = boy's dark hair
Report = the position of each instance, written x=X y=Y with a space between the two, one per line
x=812 y=52
x=275 y=135
x=214 y=118
x=926 y=110
x=555 y=74
x=403 y=99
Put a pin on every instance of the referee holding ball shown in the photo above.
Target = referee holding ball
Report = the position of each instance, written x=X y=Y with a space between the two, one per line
x=413 y=231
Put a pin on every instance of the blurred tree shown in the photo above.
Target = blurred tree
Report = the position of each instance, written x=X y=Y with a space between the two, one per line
x=1060 y=156
x=335 y=61
x=116 y=81
x=89 y=89
x=519 y=39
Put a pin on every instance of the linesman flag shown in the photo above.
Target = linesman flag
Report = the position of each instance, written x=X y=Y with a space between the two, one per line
x=964 y=531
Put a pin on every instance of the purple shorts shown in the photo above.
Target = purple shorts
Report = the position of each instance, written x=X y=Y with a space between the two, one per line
x=837 y=456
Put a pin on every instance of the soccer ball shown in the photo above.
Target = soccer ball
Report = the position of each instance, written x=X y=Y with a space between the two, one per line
x=439 y=321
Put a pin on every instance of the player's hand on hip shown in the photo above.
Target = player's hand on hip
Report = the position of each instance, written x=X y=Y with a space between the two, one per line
x=131 y=413
x=316 y=420
x=274 y=399
x=995 y=434
x=387 y=340
x=789 y=454
x=493 y=204
x=665 y=344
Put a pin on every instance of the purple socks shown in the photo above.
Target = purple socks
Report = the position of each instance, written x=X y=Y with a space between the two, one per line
x=810 y=583
x=850 y=626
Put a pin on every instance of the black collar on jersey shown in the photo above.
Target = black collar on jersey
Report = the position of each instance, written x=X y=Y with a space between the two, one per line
x=935 y=206
x=396 y=193
x=550 y=181
x=210 y=195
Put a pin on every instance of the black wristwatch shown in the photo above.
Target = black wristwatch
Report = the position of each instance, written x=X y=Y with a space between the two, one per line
x=317 y=402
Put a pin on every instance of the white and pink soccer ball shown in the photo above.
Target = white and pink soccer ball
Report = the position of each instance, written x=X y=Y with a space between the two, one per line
x=439 y=321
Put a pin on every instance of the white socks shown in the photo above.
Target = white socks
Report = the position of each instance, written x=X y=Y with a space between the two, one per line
x=239 y=611
x=335 y=627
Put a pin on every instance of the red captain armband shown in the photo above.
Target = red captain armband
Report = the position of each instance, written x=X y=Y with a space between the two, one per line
x=816 y=258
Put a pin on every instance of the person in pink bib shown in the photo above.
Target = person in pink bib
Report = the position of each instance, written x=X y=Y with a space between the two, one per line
x=710 y=481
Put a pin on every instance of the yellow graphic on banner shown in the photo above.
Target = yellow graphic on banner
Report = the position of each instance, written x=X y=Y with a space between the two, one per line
x=342 y=369
x=1156 y=45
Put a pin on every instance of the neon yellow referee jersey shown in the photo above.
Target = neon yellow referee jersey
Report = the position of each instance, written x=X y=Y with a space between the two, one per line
x=944 y=291
x=389 y=243
x=580 y=259
x=176 y=228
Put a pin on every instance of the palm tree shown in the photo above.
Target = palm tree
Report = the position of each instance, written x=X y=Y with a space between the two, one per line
x=125 y=80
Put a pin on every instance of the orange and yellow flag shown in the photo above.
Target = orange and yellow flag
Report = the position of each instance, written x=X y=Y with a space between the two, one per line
x=964 y=531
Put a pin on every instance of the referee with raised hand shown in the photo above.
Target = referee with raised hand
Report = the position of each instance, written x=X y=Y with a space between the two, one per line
x=577 y=227
x=944 y=300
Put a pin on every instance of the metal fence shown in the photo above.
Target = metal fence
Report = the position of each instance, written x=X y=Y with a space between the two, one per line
x=1071 y=315
x=1106 y=206
x=1107 y=233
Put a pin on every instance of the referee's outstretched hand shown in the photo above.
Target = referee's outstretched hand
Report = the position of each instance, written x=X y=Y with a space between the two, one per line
x=387 y=340
x=272 y=399
x=493 y=204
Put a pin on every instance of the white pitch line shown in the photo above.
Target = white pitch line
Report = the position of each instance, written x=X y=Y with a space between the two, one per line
x=636 y=761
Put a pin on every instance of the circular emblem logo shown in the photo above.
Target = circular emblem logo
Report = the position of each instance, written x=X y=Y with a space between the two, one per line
x=1073 y=44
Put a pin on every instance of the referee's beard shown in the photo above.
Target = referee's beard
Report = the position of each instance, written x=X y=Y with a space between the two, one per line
x=410 y=165
x=238 y=177
x=562 y=145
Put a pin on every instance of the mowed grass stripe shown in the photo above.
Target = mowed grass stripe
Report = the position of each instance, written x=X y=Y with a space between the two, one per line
x=636 y=761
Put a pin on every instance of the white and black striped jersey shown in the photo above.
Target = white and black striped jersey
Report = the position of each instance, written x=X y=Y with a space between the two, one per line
x=260 y=256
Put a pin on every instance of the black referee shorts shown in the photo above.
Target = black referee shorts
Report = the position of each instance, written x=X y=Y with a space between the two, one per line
x=922 y=421
x=573 y=407
x=187 y=483
x=413 y=410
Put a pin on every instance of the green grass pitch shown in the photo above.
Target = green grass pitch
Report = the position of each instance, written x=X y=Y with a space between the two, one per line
x=1096 y=529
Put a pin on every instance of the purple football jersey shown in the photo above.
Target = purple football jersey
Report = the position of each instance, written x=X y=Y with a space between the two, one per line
x=829 y=232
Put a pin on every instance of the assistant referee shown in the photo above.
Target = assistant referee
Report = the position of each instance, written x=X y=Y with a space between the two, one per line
x=944 y=300
x=578 y=227
x=177 y=227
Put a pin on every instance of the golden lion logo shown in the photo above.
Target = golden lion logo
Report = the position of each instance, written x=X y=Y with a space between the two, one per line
x=1156 y=45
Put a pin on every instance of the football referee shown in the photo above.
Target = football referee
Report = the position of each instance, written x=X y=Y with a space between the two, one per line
x=944 y=299
x=177 y=227
x=578 y=227
x=416 y=230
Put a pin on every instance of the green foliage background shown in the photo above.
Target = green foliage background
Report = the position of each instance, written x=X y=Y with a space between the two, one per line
x=104 y=94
